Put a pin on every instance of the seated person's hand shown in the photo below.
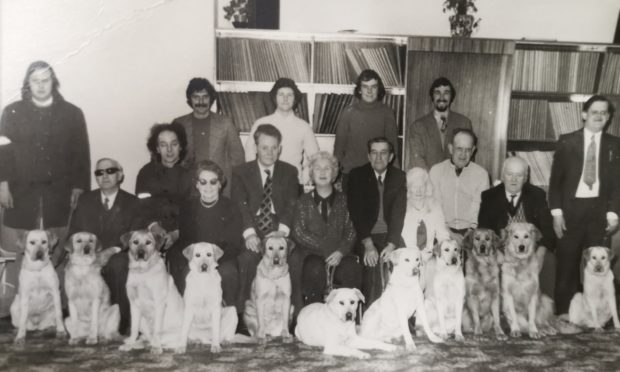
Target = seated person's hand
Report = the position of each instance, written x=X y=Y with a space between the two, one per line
x=371 y=255
x=252 y=243
x=334 y=258
x=385 y=253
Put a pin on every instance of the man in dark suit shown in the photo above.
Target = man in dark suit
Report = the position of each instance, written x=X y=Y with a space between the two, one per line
x=109 y=212
x=377 y=198
x=428 y=137
x=515 y=200
x=584 y=193
x=266 y=190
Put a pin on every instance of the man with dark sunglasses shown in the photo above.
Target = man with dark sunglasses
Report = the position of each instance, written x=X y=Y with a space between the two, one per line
x=109 y=212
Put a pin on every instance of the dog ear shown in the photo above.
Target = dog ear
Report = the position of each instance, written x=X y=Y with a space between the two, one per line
x=21 y=240
x=125 y=239
x=535 y=232
x=218 y=252
x=104 y=256
x=468 y=240
x=330 y=296
x=290 y=245
x=359 y=295
x=393 y=256
x=52 y=240
x=98 y=244
x=437 y=249
x=69 y=244
x=611 y=256
x=188 y=252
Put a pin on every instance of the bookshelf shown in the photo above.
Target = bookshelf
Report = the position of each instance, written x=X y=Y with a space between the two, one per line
x=324 y=66
x=550 y=82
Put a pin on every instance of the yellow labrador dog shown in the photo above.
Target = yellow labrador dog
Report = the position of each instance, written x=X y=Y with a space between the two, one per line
x=524 y=306
x=482 y=284
x=388 y=317
x=332 y=326
x=90 y=313
x=204 y=319
x=268 y=311
x=597 y=304
x=155 y=303
x=445 y=290
x=37 y=303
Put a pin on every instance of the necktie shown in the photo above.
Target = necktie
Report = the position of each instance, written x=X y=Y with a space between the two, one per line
x=264 y=213
x=512 y=209
x=458 y=171
x=324 y=209
x=421 y=235
x=589 y=172
x=106 y=204
x=512 y=199
x=444 y=124
x=380 y=180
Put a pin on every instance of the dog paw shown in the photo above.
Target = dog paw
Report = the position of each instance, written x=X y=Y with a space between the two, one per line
x=156 y=350
x=391 y=348
x=287 y=339
x=442 y=336
x=598 y=330
x=126 y=347
x=61 y=333
x=19 y=341
x=180 y=350
x=362 y=355
x=216 y=348
x=437 y=339
x=410 y=347
x=91 y=341
x=261 y=340
x=459 y=338
x=534 y=335
x=550 y=331
x=501 y=336
x=74 y=341
x=515 y=333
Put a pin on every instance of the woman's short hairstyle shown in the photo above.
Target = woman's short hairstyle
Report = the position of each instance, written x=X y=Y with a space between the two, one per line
x=211 y=166
x=368 y=75
x=333 y=163
x=286 y=83
x=421 y=174
x=39 y=65
x=153 y=141
x=197 y=85
x=443 y=82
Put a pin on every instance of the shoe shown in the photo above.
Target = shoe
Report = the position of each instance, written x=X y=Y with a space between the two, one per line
x=241 y=327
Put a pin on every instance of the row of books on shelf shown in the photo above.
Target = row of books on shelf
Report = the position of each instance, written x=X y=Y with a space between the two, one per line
x=554 y=71
x=540 y=165
x=541 y=120
x=610 y=79
x=329 y=107
x=263 y=60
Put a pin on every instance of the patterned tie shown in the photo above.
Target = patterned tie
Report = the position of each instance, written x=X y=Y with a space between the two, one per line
x=421 y=235
x=444 y=124
x=380 y=181
x=513 y=209
x=106 y=204
x=589 y=172
x=264 y=212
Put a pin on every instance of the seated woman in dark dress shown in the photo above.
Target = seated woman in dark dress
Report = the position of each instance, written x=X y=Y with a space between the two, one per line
x=164 y=183
x=324 y=235
x=208 y=216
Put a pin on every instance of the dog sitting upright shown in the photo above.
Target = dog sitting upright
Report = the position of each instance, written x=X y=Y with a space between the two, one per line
x=445 y=290
x=37 y=303
x=597 y=304
x=90 y=313
x=155 y=303
x=268 y=310
x=524 y=306
x=204 y=318
x=388 y=317
x=482 y=283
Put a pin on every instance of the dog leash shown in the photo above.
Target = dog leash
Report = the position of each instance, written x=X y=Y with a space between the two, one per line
x=63 y=252
x=384 y=272
x=330 y=278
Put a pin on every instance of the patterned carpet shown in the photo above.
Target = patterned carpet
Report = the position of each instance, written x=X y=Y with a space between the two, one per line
x=583 y=352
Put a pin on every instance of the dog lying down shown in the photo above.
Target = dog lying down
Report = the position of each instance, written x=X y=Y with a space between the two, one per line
x=268 y=311
x=597 y=304
x=204 y=319
x=37 y=303
x=388 y=317
x=90 y=314
x=332 y=326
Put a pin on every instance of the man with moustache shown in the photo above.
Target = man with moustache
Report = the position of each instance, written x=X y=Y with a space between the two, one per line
x=458 y=183
x=210 y=136
x=428 y=137
x=584 y=194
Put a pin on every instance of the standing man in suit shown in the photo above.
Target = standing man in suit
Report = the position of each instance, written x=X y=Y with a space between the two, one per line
x=266 y=190
x=428 y=137
x=210 y=136
x=584 y=193
x=516 y=200
x=109 y=212
x=377 y=198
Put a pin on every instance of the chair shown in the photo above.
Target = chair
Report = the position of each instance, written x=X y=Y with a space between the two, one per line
x=6 y=257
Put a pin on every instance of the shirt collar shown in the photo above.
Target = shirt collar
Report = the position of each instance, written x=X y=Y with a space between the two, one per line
x=111 y=197
x=588 y=134
x=263 y=168
x=509 y=194
x=438 y=115
x=380 y=174
x=318 y=198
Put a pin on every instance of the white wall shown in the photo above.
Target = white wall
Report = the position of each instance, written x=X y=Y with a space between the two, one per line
x=565 y=20
x=125 y=63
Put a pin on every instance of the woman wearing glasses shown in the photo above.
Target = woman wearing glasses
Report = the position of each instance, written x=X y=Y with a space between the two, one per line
x=208 y=216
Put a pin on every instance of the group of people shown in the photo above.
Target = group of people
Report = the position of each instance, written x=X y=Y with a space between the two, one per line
x=200 y=185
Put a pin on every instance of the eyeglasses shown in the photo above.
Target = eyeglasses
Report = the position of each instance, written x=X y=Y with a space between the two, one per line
x=99 y=172
x=212 y=181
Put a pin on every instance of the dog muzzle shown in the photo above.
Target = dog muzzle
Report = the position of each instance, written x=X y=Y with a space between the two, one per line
x=483 y=249
x=521 y=248
x=598 y=269
x=141 y=254
x=204 y=267
x=348 y=316
x=276 y=260
x=454 y=261
x=87 y=249
x=39 y=256
x=415 y=271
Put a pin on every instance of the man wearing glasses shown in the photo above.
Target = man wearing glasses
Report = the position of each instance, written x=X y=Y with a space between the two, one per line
x=109 y=212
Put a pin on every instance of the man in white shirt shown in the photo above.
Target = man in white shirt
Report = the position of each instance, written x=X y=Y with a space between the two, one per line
x=584 y=194
x=458 y=183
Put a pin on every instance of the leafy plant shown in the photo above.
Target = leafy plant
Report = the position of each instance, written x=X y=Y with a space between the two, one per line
x=459 y=6
x=239 y=10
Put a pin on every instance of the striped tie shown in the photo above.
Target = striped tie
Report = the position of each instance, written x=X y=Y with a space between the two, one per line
x=265 y=224
x=589 y=172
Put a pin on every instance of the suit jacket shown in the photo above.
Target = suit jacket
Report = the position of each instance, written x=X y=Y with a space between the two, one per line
x=108 y=226
x=222 y=143
x=494 y=211
x=247 y=191
x=424 y=147
x=363 y=200
x=567 y=166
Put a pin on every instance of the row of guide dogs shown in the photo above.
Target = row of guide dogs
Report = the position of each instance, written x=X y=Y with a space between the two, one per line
x=500 y=276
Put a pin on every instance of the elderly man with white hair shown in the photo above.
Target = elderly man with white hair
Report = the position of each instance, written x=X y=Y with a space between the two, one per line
x=516 y=200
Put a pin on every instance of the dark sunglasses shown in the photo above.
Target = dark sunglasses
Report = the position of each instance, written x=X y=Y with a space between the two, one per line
x=212 y=181
x=99 y=172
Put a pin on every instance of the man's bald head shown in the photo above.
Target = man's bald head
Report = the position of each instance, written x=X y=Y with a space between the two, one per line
x=514 y=174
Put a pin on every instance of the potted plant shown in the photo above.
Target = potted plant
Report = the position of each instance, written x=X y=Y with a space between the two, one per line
x=240 y=12
x=462 y=23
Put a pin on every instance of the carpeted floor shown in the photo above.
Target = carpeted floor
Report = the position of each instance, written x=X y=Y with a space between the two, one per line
x=582 y=352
